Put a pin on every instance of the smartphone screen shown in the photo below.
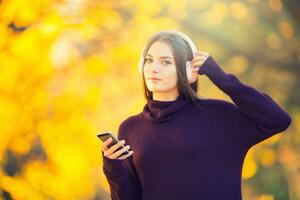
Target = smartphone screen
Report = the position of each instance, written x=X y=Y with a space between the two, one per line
x=104 y=136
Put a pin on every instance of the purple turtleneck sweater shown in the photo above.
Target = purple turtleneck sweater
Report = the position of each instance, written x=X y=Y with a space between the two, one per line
x=182 y=151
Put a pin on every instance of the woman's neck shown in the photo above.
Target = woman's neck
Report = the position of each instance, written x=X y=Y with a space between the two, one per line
x=164 y=96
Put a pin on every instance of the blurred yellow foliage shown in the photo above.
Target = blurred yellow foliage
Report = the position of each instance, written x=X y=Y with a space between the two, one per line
x=65 y=65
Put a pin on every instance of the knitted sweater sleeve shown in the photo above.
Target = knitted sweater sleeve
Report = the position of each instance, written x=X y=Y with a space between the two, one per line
x=121 y=174
x=254 y=116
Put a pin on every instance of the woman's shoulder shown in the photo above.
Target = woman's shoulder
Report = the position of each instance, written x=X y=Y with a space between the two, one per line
x=217 y=105
x=130 y=121
x=127 y=125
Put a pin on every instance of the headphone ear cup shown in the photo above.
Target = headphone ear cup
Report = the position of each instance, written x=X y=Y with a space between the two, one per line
x=188 y=70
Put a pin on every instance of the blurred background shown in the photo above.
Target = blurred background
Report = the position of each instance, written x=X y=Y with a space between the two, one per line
x=69 y=71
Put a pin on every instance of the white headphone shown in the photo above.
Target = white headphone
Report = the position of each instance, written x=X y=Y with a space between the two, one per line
x=188 y=63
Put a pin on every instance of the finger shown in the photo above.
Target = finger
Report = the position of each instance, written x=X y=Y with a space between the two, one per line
x=110 y=150
x=113 y=148
x=195 y=69
x=106 y=143
x=125 y=156
x=197 y=64
x=119 y=152
x=199 y=58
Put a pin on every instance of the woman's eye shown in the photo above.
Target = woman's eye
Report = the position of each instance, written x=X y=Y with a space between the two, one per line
x=167 y=62
x=146 y=59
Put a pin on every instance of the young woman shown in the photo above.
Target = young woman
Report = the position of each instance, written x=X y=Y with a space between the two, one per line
x=184 y=146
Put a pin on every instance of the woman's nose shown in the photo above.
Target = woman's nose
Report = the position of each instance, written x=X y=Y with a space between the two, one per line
x=155 y=66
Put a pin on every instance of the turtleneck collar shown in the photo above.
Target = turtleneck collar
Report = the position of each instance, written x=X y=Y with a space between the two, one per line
x=159 y=111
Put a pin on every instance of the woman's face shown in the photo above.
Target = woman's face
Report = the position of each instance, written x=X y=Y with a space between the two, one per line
x=160 y=63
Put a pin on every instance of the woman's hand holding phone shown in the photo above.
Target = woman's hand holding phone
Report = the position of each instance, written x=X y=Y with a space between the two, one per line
x=109 y=152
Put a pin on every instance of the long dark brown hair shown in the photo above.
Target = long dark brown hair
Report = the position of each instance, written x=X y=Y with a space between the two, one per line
x=182 y=52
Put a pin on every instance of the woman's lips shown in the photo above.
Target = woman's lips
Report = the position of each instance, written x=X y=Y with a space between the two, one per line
x=154 y=79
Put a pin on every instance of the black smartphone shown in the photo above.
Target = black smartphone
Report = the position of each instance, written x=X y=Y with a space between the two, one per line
x=104 y=136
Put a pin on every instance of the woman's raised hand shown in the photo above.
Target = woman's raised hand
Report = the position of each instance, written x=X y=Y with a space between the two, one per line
x=110 y=152
x=196 y=63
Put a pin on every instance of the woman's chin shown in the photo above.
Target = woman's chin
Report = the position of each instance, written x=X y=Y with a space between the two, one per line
x=154 y=88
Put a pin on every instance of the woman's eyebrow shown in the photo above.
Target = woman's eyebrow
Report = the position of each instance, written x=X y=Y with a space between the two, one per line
x=160 y=56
